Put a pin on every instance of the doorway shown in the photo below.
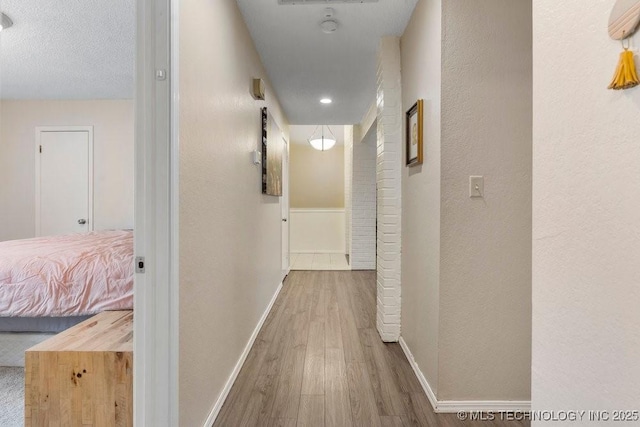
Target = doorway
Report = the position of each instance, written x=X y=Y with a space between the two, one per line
x=284 y=205
x=81 y=90
x=317 y=213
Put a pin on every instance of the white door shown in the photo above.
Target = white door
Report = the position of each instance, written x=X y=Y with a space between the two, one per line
x=285 y=208
x=64 y=168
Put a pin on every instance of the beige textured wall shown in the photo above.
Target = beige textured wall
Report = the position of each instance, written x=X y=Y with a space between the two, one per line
x=466 y=266
x=113 y=128
x=421 y=78
x=316 y=177
x=485 y=270
x=230 y=234
x=586 y=233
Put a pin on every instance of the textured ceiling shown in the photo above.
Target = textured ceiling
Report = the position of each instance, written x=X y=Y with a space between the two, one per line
x=299 y=134
x=71 y=49
x=304 y=64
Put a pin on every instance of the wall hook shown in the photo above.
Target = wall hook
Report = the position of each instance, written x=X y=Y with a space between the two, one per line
x=628 y=39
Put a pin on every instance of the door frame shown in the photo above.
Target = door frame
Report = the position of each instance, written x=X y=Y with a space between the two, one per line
x=39 y=131
x=286 y=217
x=156 y=343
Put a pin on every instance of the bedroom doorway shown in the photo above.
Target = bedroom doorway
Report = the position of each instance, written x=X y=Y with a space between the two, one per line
x=121 y=69
x=64 y=180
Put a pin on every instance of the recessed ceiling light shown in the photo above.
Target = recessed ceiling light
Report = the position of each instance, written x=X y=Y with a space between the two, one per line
x=326 y=100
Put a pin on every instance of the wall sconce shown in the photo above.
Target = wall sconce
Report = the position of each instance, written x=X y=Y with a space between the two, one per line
x=257 y=89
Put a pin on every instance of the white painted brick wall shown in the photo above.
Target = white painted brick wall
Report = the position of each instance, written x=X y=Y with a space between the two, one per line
x=388 y=168
x=348 y=155
x=363 y=205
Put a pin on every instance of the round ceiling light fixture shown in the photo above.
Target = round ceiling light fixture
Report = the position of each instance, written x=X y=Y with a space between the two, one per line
x=326 y=101
x=328 y=24
x=321 y=142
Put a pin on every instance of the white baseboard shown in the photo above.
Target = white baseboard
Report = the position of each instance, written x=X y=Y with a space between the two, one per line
x=388 y=338
x=243 y=357
x=421 y=378
x=336 y=252
x=317 y=210
x=453 y=406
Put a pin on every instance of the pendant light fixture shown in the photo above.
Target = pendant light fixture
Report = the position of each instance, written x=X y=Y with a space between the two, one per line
x=321 y=141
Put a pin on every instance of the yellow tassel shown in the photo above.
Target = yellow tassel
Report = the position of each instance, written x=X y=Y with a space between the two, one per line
x=626 y=75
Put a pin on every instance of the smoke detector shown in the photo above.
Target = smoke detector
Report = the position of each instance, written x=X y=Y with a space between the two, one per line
x=328 y=24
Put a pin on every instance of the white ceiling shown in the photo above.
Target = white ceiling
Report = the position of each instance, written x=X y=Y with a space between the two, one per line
x=304 y=64
x=299 y=134
x=85 y=49
x=71 y=49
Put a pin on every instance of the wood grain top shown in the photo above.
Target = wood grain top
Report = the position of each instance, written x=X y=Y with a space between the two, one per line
x=107 y=331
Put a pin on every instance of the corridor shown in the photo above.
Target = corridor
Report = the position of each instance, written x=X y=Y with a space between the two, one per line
x=318 y=361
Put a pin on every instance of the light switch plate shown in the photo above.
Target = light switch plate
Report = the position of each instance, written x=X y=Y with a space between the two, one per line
x=476 y=186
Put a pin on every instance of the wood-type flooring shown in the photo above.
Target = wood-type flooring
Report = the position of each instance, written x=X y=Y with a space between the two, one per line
x=319 y=361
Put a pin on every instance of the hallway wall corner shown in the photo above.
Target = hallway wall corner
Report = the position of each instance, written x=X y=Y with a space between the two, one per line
x=389 y=150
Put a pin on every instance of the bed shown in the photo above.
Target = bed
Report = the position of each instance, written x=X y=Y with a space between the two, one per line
x=48 y=284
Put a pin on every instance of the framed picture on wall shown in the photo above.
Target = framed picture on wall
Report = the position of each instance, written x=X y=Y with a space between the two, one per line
x=414 y=132
x=272 y=155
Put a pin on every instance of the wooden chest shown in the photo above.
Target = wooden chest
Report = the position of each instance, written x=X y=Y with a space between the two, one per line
x=83 y=376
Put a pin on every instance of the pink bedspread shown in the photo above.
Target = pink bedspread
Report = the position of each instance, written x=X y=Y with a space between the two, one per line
x=70 y=275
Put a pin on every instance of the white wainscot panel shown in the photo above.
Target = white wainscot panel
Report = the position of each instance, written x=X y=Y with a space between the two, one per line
x=317 y=230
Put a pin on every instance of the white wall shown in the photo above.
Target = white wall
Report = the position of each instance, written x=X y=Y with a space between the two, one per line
x=112 y=122
x=421 y=78
x=390 y=139
x=317 y=230
x=586 y=215
x=348 y=186
x=363 y=202
x=316 y=177
x=230 y=234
